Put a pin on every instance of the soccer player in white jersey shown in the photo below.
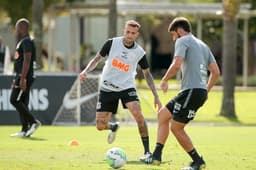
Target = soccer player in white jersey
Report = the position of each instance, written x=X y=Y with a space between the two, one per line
x=122 y=56
x=194 y=58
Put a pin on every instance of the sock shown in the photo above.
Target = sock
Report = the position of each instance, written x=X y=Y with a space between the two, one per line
x=158 y=151
x=194 y=155
x=145 y=142
x=113 y=126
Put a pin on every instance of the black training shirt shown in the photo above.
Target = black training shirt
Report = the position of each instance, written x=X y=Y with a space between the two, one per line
x=24 y=45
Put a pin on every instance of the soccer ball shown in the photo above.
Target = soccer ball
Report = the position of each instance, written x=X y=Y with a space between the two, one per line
x=116 y=157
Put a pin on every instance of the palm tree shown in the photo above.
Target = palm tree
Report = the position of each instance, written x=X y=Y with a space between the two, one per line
x=230 y=11
x=112 y=19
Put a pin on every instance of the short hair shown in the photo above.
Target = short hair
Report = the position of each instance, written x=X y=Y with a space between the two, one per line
x=180 y=22
x=24 y=22
x=133 y=23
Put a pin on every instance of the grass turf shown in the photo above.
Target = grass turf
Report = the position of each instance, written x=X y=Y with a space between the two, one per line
x=223 y=148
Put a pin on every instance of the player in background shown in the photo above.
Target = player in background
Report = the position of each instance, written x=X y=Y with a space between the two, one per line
x=122 y=56
x=23 y=66
x=194 y=59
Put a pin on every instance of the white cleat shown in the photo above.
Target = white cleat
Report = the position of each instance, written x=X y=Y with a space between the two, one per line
x=33 y=128
x=112 y=134
x=18 y=134
x=145 y=156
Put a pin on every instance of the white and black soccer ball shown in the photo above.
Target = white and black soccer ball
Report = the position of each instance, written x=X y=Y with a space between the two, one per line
x=116 y=157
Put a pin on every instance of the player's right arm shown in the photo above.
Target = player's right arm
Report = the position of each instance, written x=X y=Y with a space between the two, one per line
x=94 y=62
x=91 y=66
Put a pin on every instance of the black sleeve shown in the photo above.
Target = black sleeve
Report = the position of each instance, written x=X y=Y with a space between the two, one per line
x=27 y=45
x=144 y=63
x=106 y=48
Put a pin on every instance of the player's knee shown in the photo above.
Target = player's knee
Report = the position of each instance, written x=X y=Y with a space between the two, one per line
x=139 y=118
x=175 y=129
x=13 y=101
x=101 y=126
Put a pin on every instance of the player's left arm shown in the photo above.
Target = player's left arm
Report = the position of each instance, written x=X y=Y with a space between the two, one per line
x=214 y=75
x=150 y=80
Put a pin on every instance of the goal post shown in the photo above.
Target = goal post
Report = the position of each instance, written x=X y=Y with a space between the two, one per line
x=79 y=103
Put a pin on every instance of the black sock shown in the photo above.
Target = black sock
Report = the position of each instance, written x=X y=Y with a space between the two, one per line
x=113 y=126
x=158 y=151
x=145 y=142
x=194 y=155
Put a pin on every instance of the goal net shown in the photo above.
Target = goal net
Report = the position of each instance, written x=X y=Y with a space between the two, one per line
x=79 y=103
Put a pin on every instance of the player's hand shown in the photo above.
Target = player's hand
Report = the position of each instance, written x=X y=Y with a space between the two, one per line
x=158 y=104
x=164 y=86
x=23 y=84
x=83 y=75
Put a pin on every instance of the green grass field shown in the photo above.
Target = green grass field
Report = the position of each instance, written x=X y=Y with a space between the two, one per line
x=223 y=148
x=225 y=144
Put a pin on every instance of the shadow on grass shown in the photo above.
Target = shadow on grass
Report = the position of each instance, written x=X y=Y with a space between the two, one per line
x=34 y=139
x=138 y=163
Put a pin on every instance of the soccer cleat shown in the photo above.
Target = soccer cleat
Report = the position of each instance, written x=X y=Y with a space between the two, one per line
x=149 y=159
x=33 y=128
x=18 y=134
x=112 y=134
x=196 y=165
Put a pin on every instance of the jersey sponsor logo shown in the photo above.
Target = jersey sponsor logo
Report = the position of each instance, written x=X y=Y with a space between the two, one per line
x=106 y=83
x=120 y=65
x=72 y=103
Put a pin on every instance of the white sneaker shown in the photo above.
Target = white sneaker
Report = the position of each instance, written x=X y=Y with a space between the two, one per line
x=18 y=134
x=112 y=134
x=33 y=128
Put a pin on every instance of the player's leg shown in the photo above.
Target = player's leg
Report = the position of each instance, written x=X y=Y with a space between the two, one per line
x=15 y=95
x=106 y=105
x=194 y=98
x=135 y=109
x=102 y=120
x=184 y=140
x=33 y=122
x=164 y=117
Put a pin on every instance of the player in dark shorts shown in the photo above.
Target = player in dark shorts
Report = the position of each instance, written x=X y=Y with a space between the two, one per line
x=194 y=59
x=122 y=56
x=23 y=66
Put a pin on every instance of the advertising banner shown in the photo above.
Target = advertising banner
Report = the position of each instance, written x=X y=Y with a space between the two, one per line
x=46 y=97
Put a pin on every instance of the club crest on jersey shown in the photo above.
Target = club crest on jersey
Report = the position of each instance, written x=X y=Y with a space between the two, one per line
x=120 y=65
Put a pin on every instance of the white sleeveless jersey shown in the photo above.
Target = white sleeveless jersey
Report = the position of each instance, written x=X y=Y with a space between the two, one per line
x=120 y=66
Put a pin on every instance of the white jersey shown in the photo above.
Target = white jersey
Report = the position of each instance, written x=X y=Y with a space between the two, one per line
x=119 y=70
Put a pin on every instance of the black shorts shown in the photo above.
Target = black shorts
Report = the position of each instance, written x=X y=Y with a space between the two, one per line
x=184 y=106
x=108 y=101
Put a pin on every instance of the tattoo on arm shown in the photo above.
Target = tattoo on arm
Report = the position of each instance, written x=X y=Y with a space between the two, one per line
x=93 y=63
x=150 y=81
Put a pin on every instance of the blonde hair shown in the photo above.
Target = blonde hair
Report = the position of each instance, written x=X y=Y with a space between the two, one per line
x=132 y=23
